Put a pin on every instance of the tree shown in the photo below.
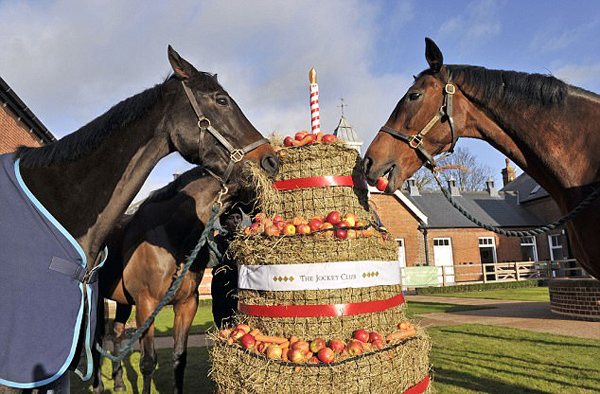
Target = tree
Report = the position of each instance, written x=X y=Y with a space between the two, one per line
x=470 y=175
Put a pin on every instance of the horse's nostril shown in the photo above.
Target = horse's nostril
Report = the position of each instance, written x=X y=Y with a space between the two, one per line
x=270 y=164
x=367 y=164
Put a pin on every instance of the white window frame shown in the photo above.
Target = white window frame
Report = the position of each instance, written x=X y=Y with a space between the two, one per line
x=401 y=256
x=487 y=245
x=553 y=247
x=534 y=244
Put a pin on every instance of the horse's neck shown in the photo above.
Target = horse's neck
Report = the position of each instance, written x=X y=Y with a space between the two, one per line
x=89 y=195
x=555 y=146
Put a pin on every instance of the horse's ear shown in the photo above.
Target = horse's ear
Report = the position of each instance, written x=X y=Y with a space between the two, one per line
x=433 y=55
x=181 y=67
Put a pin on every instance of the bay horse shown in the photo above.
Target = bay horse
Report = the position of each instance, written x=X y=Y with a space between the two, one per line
x=148 y=251
x=87 y=179
x=548 y=128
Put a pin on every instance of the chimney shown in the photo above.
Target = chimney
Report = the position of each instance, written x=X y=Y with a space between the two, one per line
x=413 y=190
x=508 y=173
x=452 y=187
x=176 y=175
x=489 y=185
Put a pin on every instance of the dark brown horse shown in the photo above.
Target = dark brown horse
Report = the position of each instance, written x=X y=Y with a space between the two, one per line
x=147 y=252
x=550 y=129
x=87 y=179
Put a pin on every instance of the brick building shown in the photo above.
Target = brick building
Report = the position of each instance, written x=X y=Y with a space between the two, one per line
x=18 y=124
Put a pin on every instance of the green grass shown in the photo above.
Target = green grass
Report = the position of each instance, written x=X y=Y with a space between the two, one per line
x=478 y=358
x=417 y=308
x=465 y=358
x=521 y=294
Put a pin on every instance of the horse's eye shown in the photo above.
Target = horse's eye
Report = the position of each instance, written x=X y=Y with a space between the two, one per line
x=222 y=100
x=414 y=96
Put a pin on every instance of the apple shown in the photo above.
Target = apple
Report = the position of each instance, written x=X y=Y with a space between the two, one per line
x=259 y=217
x=296 y=356
x=303 y=229
x=248 y=341
x=314 y=360
x=262 y=347
x=341 y=234
x=315 y=224
x=293 y=339
x=355 y=348
x=237 y=334
x=225 y=333
x=274 y=352
x=318 y=217
x=382 y=183
x=256 y=228
x=352 y=234
x=333 y=217
x=404 y=325
x=317 y=344
x=303 y=346
x=326 y=355
x=378 y=344
x=287 y=141
x=342 y=223
x=313 y=138
x=277 y=219
x=272 y=230
x=289 y=229
x=280 y=225
x=373 y=336
x=361 y=335
x=300 y=135
x=326 y=226
x=350 y=218
x=329 y=138
x=244 y=327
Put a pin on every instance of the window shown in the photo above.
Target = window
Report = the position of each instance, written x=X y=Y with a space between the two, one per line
x=441 y=242
x=487 y=250
x=401 y=252
x=556 y=247
x=529 y=249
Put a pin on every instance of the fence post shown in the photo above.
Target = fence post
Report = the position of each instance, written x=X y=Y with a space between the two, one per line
x=443 y=276
x=549 y=269
x=483 y=268
x=517 y=273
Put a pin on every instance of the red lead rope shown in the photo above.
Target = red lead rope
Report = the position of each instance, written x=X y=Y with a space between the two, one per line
x=319 y=181
x=356 y=308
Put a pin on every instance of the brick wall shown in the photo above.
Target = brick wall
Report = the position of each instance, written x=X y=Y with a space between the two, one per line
x=576 y=298
x=13 y=132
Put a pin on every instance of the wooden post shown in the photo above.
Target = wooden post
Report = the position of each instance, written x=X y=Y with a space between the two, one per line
x=483 y=268
x=517 y=273
x=549 y=269
x=444 y=275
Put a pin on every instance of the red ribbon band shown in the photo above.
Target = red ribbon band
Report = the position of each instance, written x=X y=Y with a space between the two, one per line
x=319 y=181
x=419 y=387
x=356 y=308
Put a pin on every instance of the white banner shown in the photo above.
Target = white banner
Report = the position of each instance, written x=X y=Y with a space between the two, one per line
x=319 y=276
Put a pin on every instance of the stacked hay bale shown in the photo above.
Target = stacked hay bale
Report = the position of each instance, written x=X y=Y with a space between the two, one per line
x=306 y=313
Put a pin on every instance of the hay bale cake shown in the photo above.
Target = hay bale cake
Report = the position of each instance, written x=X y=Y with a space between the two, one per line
x=319 y=284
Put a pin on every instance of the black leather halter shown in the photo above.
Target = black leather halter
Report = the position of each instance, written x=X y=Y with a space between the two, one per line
x=416 y=141
x=204 y=124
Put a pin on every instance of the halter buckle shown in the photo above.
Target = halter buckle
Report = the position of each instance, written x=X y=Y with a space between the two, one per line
x=203 y=123
x=450 y=89
x=419 y=140
x=237 y=155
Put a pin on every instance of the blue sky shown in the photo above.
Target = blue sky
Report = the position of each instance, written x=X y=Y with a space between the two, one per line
x=72 y=60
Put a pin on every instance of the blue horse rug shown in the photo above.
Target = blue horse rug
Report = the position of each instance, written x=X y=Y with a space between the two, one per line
x=43 y=292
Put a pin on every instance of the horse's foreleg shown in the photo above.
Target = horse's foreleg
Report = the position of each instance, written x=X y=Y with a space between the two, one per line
x=121 y=317
x=184 y=315
x=148 y=354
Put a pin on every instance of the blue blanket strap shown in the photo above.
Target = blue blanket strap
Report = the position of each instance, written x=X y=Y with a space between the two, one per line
x=72 y=269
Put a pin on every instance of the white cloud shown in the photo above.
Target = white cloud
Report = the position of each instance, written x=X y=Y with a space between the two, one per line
x=580 y=75
x=475 y=26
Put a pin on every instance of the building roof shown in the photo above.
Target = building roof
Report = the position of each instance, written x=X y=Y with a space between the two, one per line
x=18 y=107
x=501 y=211
x=526 y=188
x=346 y=132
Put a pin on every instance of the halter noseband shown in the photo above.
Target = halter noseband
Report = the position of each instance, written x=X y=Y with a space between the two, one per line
x=236 y=155
x=416 y=141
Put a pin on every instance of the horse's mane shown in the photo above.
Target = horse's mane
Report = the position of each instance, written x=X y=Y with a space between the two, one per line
x=170 y=190
x=510 y=86
x=89 y=137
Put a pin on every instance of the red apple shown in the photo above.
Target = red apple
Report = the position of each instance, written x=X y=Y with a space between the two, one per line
x=244 y=327
x=237 y=334
x=225 y=333
x=329 y=138
x=378 y=344
x=314 y=360
x=315 y=224
x=288 y=141
x=300 y=135
x=277 y=218
x=326 y=226
x=341 y=234
x=303 y=346
x=260 y=217
x=248 y=341
x=361 y=335
x=303 y=229
x=373 y=336
x=256 y=228
x=274 y=352
x=326 y=355
x=333 y=217
x=262 y=347
x=296 y=356
x=342 y=223
x=289 y=229
x=272 y=230
x=280 y=225
x=355 y=348
x=317 y=344
x=382 y=183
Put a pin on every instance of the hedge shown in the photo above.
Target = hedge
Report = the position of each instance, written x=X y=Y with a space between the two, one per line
x=478 y=287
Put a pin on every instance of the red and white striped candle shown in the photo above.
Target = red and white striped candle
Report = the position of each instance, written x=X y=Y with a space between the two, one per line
x=315 y=118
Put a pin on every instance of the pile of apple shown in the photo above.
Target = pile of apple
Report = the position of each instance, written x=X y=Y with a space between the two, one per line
x=332 y=225
x=302 y=138
x=316 y=351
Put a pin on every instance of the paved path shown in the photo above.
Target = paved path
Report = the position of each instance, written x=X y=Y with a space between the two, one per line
x=526 y=315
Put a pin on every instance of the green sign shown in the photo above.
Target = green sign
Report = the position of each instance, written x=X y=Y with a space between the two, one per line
x=420 y=276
